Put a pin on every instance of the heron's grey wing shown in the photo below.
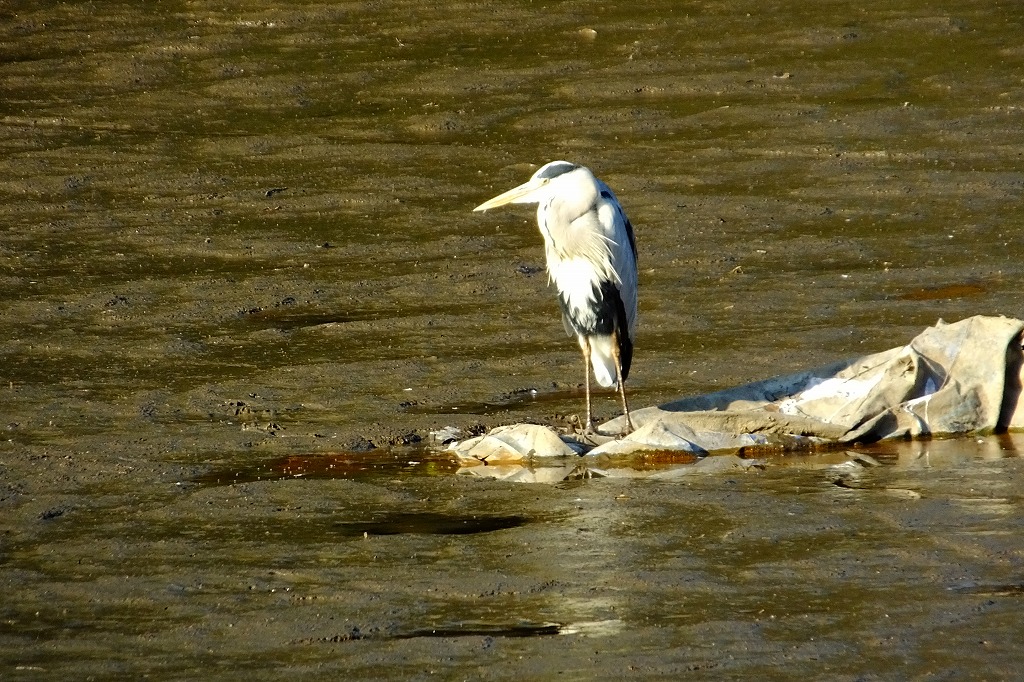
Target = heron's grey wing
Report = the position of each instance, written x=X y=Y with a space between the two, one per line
x=622 y=246
x=627 y=227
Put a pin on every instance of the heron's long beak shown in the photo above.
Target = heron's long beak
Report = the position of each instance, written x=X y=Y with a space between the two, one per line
x=516 y=195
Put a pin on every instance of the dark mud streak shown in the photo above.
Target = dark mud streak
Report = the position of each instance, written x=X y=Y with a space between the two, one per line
x=482 y=630
x=429 y=523
x=287 y=316
x=485 y=630
x=1010 y=590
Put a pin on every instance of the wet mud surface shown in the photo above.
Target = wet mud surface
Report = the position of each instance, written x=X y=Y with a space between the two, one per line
x=241 y=284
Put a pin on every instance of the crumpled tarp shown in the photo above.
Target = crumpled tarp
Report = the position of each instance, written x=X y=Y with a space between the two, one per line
x=955 y=378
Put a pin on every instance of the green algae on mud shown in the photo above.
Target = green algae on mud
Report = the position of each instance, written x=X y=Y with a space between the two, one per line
x=782 y=181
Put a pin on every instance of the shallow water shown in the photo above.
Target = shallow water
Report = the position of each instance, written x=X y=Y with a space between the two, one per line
x=909 y=566
x=237 y=239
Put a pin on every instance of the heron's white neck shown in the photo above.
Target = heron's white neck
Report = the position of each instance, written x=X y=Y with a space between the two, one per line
x=573 y=235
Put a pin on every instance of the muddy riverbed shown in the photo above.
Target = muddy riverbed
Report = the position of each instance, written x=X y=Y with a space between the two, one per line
x=242 y=284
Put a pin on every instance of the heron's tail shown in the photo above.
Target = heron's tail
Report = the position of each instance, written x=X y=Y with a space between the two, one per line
x=602 y=358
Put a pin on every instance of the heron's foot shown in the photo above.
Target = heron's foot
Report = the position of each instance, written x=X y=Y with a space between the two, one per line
x=591 y=436
x=583 y=428
x=578 y=427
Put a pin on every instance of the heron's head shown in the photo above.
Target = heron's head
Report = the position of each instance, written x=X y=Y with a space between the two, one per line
x=548 y=180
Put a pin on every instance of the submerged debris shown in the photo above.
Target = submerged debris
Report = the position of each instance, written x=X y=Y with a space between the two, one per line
x=513 y=443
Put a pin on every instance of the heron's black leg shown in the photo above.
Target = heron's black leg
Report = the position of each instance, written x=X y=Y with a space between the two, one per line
x=585 y=347
x=622 y=384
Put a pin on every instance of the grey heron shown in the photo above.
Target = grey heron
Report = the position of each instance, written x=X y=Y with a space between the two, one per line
x=591 y=259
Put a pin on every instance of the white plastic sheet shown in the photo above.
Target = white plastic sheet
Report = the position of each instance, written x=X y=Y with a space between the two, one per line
x=955 y=378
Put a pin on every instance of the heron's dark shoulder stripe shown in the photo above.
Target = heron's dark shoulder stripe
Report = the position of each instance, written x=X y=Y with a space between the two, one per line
x=632 y=239
x=608 y=314
x=555 y=168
